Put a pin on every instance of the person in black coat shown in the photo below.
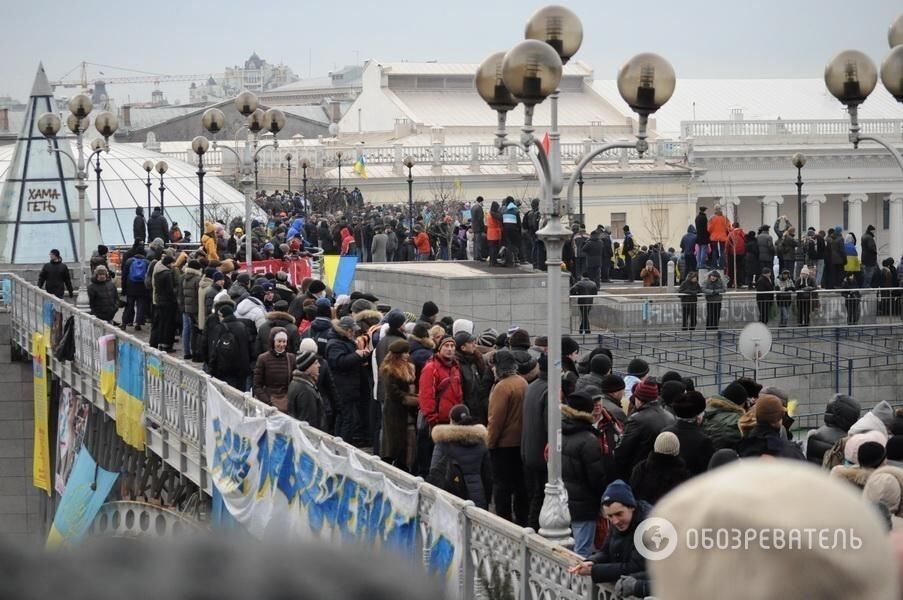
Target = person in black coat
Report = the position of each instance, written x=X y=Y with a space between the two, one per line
x=460 y=451
x=278 y=318
x=55 y=277
x=534 y=433
x=689 y=291
x=702 y=238
x=765 y=439
x=585 y=470
x=163 y=325
x=349 y=366
x=765 y=295
x=662 y=471
x=642 y=427
x=593 y=251
x=696 y=447
x=157 y=227
x=840 y=414
x=585 y=287
x=618 y=555
x=102 y=295
x=139 y=225
x=304 y=401
x=233 y=372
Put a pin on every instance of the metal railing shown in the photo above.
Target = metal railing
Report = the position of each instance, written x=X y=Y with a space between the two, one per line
x=631 y=308
x=788 y=129
x=175 y=399
x=212 y=158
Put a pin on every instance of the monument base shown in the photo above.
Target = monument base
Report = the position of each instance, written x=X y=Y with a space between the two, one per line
x=496 y=297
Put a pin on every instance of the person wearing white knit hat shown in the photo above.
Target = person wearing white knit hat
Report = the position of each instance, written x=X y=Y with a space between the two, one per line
x=661 y=472
x=462 y=325
x=784 y=510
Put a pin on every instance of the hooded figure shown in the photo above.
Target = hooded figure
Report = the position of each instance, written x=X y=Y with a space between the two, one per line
x=273 y=371
x=840 y=414
x=460 y=462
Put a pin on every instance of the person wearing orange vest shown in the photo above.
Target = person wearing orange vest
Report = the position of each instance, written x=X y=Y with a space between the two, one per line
x=494 y=233
x=719 y=228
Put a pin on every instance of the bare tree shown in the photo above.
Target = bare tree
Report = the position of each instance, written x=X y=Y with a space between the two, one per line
x=656 y=221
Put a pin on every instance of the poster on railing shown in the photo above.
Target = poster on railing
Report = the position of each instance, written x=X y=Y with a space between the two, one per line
x=106 y=346
x=130 y=395
x=232 y=442
x=276 y=482
x=72 y=422
x=444 y=543
x=88 y=488
x=47 y=320
x=41 y=462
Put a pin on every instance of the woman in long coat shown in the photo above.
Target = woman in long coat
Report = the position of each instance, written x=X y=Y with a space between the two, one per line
x=397 y=377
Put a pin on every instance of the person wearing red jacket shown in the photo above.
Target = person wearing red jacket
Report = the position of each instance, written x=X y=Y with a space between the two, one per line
x=422 y=244
x=736 y=255
x=439 y=390
x=719 y=228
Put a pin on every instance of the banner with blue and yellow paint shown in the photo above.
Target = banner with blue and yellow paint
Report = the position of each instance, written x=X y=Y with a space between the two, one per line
x=47 y=320
x=275 y=482
x=87 y=489
x=130 y=395
x=41 y=462
x=106 y=346
x=338 y=273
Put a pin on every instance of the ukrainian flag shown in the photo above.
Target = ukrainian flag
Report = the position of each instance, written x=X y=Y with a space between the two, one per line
x=360 y=167
x=107 y=348
x=338 y=273
x=130 y=395
x=88 y=487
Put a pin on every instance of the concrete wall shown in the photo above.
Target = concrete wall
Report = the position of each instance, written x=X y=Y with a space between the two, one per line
x=21 y=516
x=498 y=298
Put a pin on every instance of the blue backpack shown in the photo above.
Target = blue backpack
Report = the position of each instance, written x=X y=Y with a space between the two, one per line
x=137 y=270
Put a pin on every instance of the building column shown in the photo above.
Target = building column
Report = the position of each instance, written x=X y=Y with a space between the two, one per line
x=730 y=204
x=770 y=212
x=854 y=219
x=896 y=227
x=813 y=204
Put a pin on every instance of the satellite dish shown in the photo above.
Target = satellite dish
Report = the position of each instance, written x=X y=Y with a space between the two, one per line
x=755 y=341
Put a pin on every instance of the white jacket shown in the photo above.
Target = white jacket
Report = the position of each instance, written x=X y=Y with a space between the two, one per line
x=253 y=309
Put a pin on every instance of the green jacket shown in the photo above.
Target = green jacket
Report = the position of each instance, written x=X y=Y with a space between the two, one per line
x=721 y=422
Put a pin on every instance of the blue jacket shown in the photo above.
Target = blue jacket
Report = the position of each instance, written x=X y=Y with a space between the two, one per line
x=509 y=217
x=688 y=241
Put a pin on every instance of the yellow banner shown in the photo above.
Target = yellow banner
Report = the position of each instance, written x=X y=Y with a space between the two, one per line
x=41 y=470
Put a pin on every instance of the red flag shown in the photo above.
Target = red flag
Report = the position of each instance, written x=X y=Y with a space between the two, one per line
x=545 y=143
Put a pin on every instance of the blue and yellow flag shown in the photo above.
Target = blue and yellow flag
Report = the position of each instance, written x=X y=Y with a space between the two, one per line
x=130 y=395
x=87 y=489
x=338 y=273
x=360 y=167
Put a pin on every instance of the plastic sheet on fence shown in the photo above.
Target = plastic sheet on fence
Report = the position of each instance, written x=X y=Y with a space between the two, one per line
x=444 y=543
x=88 y=487
x=276 y=482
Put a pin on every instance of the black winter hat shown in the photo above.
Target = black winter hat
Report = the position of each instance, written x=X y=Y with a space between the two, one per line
x=569 y=345
x=101 y=249
x=638 y=368
x=420 y=331
x=871 y=455
x=581 y=401
x=736 y=393
x=895 y=447
x=612 y=383
x=505 y=363
x=395 y=318
x=461 y=338
x=670 y=376
x=688 y=405
x=842 y=411
x=600 y=365
x=305 y=360
x=752 y=386
x=519 y=339
x=429 y=309
x=316 y=286
x=672 y=391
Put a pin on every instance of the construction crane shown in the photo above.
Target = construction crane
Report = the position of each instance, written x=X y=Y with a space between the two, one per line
x=155 y=78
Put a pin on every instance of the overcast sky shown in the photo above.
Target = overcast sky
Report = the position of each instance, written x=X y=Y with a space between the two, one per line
x=701 y=38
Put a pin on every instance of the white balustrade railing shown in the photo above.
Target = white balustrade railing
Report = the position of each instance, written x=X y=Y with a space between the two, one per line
x=789 y=128
x=175 y=397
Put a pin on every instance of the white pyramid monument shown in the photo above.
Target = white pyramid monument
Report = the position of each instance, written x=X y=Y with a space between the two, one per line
x=39 y=203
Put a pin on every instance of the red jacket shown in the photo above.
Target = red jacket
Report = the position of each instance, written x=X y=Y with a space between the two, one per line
x=422 y=241
x=719 y=227
x=493 y=229
x=440 y=390
x=736 y=242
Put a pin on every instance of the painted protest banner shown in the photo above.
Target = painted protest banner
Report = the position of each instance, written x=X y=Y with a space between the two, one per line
x=107 y=351
x=47 y=320
x=297 y=269
x=88 y=488
x=130 y=395
x=444 y=543
x=232 y=458
x=71 y=425
x=281 y=483
x=41 y=461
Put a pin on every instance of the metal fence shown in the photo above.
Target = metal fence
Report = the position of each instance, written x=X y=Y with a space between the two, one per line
x=632 y=309
x=175 y=420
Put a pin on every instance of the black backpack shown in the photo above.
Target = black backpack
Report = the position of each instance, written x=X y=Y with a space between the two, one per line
x=226 y=353
x=454 y=480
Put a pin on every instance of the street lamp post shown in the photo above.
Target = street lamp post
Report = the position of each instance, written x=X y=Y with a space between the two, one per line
x=200 y=145
x=799 y=161
x=161 y=168
x=409 y=163
x=273 y=121
x=305 y=164
x=850 y=77
x=106 y=124
x=288 y=165
x=529 y=73
x=338 y=156
x=148 y=166
x=97 y=146
x=580 y=194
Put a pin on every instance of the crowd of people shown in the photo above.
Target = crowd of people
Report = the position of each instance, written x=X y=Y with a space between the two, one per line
x=466 y=408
